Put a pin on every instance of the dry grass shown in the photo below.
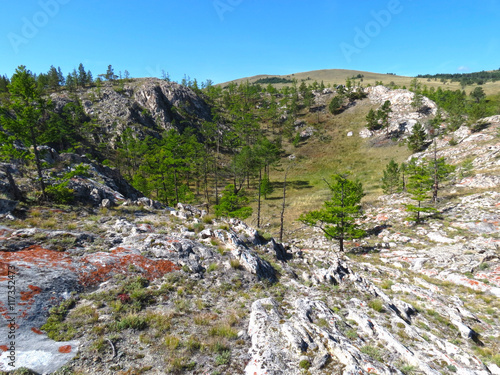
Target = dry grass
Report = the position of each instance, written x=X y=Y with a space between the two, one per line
x=338 y=76
x=330 y=151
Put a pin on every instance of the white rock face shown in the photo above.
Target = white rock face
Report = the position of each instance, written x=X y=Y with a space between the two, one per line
x=403 y=116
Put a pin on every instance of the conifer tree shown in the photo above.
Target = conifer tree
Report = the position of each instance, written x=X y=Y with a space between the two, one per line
x=383 y=115
x=416 y=141
x=390 y=181
x=337 y=219
x=419 y=186
x=24 y=117
x=372 y=121
x=233 y=204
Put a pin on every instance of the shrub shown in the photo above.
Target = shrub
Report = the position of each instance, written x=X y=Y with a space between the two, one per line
x=131 y=321
x=223 y=331
x=223 y=358
x=60 y=193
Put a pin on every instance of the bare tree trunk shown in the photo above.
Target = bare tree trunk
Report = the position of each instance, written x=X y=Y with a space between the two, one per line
x=175 y=186
x=258 y=205
x=436 y=181
x=216 y=175
x=283 y=206
x=38 y=164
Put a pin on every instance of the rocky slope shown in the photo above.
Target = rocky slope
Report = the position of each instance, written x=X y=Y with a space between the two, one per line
x=148 y=106
x=125 y=285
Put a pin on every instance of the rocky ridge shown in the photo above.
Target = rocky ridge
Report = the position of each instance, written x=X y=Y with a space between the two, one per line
x=148 y=106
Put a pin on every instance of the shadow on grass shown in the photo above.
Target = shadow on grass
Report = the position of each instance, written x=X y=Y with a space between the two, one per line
x=297 y=184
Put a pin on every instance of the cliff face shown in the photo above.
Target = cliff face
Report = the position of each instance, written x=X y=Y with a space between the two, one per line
x=148 y=106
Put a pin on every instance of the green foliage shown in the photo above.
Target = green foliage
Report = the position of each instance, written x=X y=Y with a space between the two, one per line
x=60 y=193
x=79 y=171
x=467 y=78
x=417 y=140
x=376 y=305
x=372 y=121
x=478 y=94
x=24 y=117
x=418 y=101
x=391 y=179
x=272 y=80
x=131 y=321
x=266 y=187
x=336 y=105
x=372 y=352
x=337 y=219
x=55 y=327
x=232 y=204
x=383 y=114
x=305 y=364
x=223 y=358
x=419 y=186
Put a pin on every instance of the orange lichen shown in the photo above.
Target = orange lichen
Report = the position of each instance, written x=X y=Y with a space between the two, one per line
x=4 y=348
x=27 y=296
x=90 y=270
x=118 y=261
x=65 y=349
x=37 y=331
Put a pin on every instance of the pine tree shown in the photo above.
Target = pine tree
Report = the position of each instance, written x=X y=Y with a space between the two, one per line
x=82 y=76
x=110 y=74
x=233 y=204
x=419 y=186
x=336 y=105
x=372 y=121
x=53 y=79
x=390 y=181
x=417 y=102
x=337 y=219
x=266 y=187
x=383 y=115
x=24 y=116
x=416 y=141
x=439 y=171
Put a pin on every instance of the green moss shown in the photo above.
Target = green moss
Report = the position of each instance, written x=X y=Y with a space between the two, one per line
x=305 y=364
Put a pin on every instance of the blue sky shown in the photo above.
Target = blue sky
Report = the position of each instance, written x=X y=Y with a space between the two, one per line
x=228 y=39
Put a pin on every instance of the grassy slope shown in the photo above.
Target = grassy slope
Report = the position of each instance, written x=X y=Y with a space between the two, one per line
x=338 y=76
x=327 y=152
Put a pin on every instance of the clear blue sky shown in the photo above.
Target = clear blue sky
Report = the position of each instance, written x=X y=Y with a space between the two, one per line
x=229 y=39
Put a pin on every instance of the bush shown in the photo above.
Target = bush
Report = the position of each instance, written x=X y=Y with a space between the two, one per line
x=233 y=204
x=223 y=358
x=60 y=193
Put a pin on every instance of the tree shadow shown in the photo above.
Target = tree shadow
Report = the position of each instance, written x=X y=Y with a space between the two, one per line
x=294 y=184
x=375 y=231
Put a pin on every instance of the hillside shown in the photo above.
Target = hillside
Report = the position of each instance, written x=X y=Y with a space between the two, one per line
x=338 y=76
x=162 y=290
x=150 y=274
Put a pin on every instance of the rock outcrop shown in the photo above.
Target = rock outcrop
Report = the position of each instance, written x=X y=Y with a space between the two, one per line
x=148 y=106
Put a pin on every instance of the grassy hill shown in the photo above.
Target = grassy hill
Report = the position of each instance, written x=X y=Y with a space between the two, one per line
x=338 y=76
